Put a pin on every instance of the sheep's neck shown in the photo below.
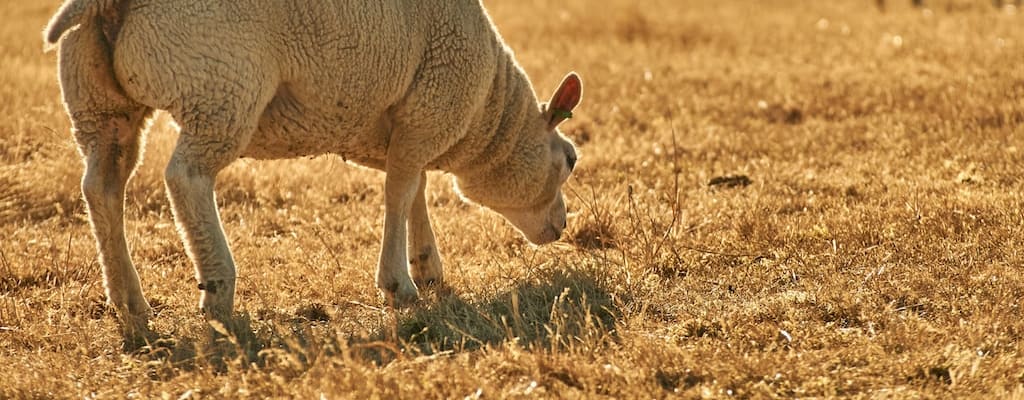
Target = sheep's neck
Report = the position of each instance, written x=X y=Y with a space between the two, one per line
x=501 y=124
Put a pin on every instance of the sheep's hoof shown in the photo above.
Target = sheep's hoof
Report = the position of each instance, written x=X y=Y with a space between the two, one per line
x=429 y=282
x=428 y=277
x=406 y=296
x=134 y=326
x=403 y=296
x=426 y=268
x=135 y=333
x=216 y=299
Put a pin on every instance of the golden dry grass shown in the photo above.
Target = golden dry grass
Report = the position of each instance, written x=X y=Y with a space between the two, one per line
x=876 y=250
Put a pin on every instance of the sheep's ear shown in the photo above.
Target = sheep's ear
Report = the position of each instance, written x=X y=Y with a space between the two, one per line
x=564 y=100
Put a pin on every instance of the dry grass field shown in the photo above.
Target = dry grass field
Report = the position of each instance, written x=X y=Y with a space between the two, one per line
x=779 y=198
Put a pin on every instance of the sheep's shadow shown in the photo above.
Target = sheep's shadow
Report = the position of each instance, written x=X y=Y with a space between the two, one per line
x=554 y=310
x=166 y=355
x=550 y=311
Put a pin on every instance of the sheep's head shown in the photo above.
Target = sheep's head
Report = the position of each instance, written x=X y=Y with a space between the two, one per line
x=527 y=188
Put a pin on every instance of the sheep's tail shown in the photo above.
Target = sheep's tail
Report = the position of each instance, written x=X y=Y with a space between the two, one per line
x=74 y=12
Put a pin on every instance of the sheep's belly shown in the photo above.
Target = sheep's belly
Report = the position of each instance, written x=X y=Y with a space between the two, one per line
x=289 y=130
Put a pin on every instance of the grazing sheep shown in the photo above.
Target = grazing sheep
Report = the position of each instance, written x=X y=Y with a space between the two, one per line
x=398 y=85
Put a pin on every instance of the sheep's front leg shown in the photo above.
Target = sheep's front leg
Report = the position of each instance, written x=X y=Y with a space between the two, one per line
x=190 y=179
x=424 y=259
x=393 y=278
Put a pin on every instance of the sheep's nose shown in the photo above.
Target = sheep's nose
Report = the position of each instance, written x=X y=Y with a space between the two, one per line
x=565 y=224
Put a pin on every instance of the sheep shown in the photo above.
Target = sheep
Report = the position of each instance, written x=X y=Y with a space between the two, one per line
x=403 y=86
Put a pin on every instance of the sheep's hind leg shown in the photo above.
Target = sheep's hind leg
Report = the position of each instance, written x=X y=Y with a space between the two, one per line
x=393 y=266
x=107 y=126
x=110 y=143
x=199 y=155
x=424 y=259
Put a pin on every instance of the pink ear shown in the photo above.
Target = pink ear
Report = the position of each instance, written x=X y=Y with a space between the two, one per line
x=565 y=99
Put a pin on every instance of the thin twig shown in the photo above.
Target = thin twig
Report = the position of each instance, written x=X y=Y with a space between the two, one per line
x=718 y=253
x=367 y=306
x=330 y=249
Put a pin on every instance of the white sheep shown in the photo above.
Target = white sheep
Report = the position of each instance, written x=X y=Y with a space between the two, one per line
x=398 y=85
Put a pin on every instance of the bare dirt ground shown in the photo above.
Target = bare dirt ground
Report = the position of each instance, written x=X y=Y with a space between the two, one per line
x=775 y=199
